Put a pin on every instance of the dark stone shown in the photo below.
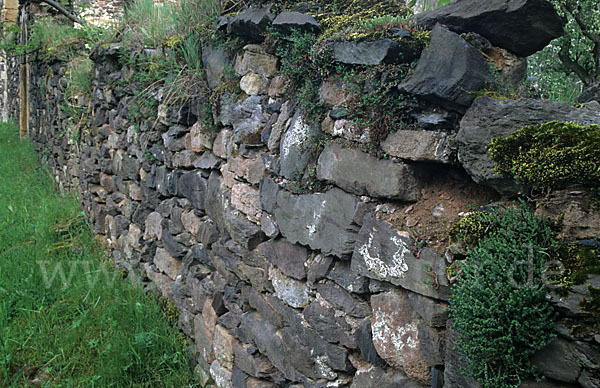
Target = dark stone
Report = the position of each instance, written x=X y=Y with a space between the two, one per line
x=215 y=201
x=215 y=60
x=339 y=112
x=174 y=139
x=449 y=72
x=522 y=27
x=488 y=118
x=342 y=300
x=362 y=174
x=374 y=53
x=431 y=345
x=251 y=362
x=347 y=279
x=289 y=258
x=383 y=253
x=333 y=329
x=238 y=378
x=243 y=232
x=454 y=364
x=125 y=166
x=437 y=377
x=248 y=121
x=192 y=186
x=376 y=377
x=272 y=163
x=322 y=221
x=433 y=312
x=590 y=93
x=364 y=337
x=294 y=153
x=207 y=234
x=251 y=24
x=174 y=248
x=319 y=268
x=266 y=310
x=268 y=194
x=560 y=360
x=286 y=22
x=207 y=161
x=182 y=114
x=166 y=181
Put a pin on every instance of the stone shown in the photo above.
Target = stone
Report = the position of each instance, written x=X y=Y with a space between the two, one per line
x=488 y=118
x=396 y=335
x=335 y=93
x=374 y=53
x=432 y=120
x=333 y=329
x=201 y=138
x=294 y=152
x=243 y=232
x=125 y=166
x=318 y=268
x=252 y=170
x=193 y=186
x=559 y=361
x=384 y=253
x=223 y=344
x=216 y=202
x=364 y=337
x=207 y=234
x=342 y=274
x=278 y=86
x=292 y=292
x=246 y=199
x=251 y=362
x=183 y=159
x=174 y=138
x=208 y=161
x=376 y=377
x=286 y=22
x=433 y=312
x=268 y=194
x=254 y=84
x=522 y=27
x=279 y=127
x=449 y=72
x=172 y=246
x=167 y=263
x=322 y=221
x=510 y=70
x=255 y=60
x=191 y=222
x=579 y=221
x=589 y=94
x=248 y=121
x=362 y=174
x=251 y=24
x=153 y=228
x=222 y=142
x=268 y=225
x=454 y=364
x=220 y=375
x=343 y=300
x=421 y=146
x=431 y=345
x=215 y=60
x=288 y=258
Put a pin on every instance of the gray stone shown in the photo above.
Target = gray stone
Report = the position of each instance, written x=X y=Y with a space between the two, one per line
x=167 y=263
x=559 y=361
x=376 y=377
x=248 y=121
x=172 y=246
x=454 y=363
x=291 y=291
x=433 y=312
x=289 y=258
x=318 y=268
x=251 y=24
x=279 y=127
x=215 y=201
x=489 y=118
x=362 y=174
x=396 y=334
x=333 y=329
x=522 y=27
x=192 y=186
x=322 y=221
x=343 y=275
x=125 y=166
x=174 y=138
x=286 y=22
x=207 y=234
x=364 y=337
x=243 y=232
x=252 y=362
x=374 y=53
x=433 y=121
x=384 y=253
x=215 y=60
x=342 y=300
x=268 y=194
x=431 y=345
x=294 y=151
x=207 y=161
x=449 y=72
x=268 y=225
x=428 y=146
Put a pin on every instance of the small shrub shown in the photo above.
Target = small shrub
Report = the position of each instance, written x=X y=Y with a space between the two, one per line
x=499 y=302
x=551 y=155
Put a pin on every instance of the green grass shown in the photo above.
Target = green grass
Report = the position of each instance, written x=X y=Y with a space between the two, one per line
x=71 y=334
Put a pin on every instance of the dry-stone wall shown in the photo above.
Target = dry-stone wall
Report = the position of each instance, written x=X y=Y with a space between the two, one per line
x=282 y=288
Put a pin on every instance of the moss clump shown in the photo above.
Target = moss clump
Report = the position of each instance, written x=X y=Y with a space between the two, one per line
x=549 y=156
x=471 y=228
x=579 y=262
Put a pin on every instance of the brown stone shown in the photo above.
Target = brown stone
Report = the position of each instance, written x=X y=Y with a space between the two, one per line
x=427 y=146
x=581 y=220
x=201 y=138
x=184 y=158
x=334 y=93
x=223 y=344
x=153 y=229
x=203 y=334
x=254 y=84
x=246 y=199
x=222 y=143
x=251 y=170
x=191 y=222
x=396 y=334
x=257 y=61
x=135 y=192
x=278 y=86
x=161 y=281
x=106 y=181
x=167 y=263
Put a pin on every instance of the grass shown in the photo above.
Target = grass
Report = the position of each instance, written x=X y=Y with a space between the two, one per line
x=90 y=329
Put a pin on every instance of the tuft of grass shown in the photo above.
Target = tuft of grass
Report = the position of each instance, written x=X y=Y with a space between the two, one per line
x=86 y=327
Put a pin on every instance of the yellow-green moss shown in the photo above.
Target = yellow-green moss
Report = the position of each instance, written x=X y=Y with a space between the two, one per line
x=550 y=155
x=471 y=228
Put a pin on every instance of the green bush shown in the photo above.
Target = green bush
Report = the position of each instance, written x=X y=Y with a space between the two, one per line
x=551 y=155
x=499 y=305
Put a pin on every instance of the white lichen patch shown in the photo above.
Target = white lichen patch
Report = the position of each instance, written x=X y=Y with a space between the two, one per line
x=323 y=369
x=295 y=136
x=291 y=291
x=397 y=340
x=312 y=228
x=398 y=267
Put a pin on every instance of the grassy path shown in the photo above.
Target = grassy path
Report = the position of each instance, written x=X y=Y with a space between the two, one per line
x=88 y=328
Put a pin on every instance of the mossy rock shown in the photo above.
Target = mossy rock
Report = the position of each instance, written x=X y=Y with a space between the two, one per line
x=549 y=156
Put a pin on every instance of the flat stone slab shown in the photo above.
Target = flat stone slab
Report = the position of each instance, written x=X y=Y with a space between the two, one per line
x=362 y=174
x=322 y=221
x=385 y=254
x=421 y=146
x=373 y=53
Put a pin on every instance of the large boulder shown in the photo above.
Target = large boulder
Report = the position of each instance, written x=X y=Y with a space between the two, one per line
x=488 y=118
x=251 y=24
x=322 y=220
x=449 y=72
x=287 y=22
x=520 y=26
x=360 y=173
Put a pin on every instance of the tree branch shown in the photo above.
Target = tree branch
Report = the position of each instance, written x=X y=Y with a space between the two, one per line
x=570 y=64
x=63 y=11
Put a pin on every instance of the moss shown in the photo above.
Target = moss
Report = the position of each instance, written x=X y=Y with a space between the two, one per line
x=579 y=262
x=592 y=305
x=549 y=156
x=471 y=228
